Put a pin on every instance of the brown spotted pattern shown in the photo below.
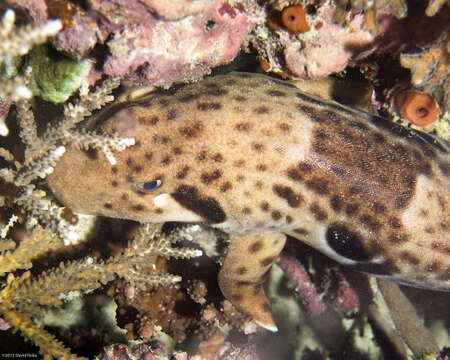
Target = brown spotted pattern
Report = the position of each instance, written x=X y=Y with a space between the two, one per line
x=250 y=154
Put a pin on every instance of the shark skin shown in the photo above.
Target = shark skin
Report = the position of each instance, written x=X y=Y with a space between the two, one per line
x=259 y=159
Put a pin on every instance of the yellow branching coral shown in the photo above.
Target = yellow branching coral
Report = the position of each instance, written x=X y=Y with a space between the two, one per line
x=35 y=244
x=24 y=296
x=434 y=6
x=49 y=345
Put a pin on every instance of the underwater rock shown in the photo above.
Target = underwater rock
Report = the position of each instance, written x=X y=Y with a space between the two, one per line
x=160 y=52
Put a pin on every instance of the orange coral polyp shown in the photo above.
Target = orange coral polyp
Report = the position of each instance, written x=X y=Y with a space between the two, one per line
x=294 y=19
x=419 y=108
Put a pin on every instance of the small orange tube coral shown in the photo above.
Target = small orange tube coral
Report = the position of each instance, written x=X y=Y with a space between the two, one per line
x=419 y=108
x=291 y=18
x=294 y=19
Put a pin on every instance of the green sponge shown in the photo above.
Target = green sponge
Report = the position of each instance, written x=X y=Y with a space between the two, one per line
x=55 y=77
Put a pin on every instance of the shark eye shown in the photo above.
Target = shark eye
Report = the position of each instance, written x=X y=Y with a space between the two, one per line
x=150 y=185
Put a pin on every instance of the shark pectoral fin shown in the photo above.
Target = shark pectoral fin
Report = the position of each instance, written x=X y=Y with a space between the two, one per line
x=244 y=271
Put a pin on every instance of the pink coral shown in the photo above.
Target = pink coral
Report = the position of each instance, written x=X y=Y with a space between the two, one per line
x=165 y=9
x=346 y=300
x=169 y=51
x=328 y=48
x=36 y=9
x=78 y=38
x=297 y=274
x=4 y=325
x=132 y=352
x=150 y=43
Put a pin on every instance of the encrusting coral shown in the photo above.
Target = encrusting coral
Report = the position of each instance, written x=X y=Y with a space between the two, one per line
x=310 y=44
x=424 y=102
x=430 y=69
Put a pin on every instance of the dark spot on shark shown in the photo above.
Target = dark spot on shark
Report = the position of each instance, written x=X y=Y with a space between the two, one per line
x=285 y=192
x=182 y=173
x=243 y=126
x=276 y=215
x=255 y=247
x=208 y=106
x=336 y=202
x=216 y=92
x=208 y=178
x=240 y=98
x=92 y=154
x=319 y=213
x=267 y=261
x=261 y=110
x=188 y=98
x=138 y=207
x=275 y=93
x=206 y=207
x=225 y=186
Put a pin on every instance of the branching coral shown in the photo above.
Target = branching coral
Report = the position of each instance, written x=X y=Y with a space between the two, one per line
x=15 y=42
x=24 y=297
x=41 y=154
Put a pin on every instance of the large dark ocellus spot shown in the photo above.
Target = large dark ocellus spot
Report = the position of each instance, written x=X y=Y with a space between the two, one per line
x=346 y=243
x=207 y=207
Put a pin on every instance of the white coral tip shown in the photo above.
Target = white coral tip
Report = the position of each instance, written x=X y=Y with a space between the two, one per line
x=60 y=150
x=197 y=253
x=53 y=26
x=9 y=16
x=111 y=159
x=129 y=141
x=4 y=131
x=22 y=92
